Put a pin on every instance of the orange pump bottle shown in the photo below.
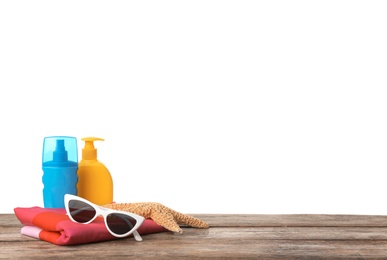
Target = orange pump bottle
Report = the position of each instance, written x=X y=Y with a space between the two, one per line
x=95 y=182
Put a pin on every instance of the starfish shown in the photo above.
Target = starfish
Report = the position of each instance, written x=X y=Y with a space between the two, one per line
x=162 y=215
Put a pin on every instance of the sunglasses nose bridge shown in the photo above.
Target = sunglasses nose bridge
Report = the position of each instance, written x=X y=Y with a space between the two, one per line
x=103 y=211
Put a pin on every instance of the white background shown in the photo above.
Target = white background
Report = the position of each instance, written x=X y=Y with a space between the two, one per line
x=205 y=106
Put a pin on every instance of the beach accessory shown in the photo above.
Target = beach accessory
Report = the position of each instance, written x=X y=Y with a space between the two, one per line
x=161 y=214
x=118 y=223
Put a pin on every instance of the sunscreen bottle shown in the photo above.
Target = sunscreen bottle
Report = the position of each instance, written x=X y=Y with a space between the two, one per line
x=59 y=164
x=94 y=179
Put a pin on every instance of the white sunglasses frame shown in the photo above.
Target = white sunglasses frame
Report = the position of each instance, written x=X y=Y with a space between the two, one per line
x=104 y=212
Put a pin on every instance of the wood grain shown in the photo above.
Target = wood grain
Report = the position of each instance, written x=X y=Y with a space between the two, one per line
x=229 y=236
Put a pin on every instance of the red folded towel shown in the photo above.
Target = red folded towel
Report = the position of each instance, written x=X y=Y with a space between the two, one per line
x=54 y=226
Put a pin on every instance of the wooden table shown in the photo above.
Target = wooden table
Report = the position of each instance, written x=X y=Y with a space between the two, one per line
x=230 y=236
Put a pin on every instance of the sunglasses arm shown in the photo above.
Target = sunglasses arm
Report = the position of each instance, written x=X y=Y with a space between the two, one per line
x=137 y=236
x=135 y=233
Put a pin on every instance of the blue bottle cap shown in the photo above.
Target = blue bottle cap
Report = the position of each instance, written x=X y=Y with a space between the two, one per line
x=59 y=151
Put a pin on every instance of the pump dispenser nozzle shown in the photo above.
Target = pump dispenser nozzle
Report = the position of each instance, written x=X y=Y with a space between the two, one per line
x=89 y=152
x=60 y=153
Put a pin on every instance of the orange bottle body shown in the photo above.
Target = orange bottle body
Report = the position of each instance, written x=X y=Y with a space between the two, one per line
x=95 y=182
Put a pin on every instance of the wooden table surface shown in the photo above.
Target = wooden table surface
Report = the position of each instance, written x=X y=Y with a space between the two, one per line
x=229 y=236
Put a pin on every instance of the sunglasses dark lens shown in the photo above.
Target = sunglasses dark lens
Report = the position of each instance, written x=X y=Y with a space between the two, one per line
x=120 y=223
x=80 y=211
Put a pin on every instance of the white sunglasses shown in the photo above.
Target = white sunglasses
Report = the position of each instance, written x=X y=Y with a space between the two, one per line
x=118 y=223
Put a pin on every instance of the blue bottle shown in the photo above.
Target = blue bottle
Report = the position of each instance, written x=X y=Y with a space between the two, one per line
x=60 y=165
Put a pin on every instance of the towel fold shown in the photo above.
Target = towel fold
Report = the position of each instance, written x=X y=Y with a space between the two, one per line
x=54 y=226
